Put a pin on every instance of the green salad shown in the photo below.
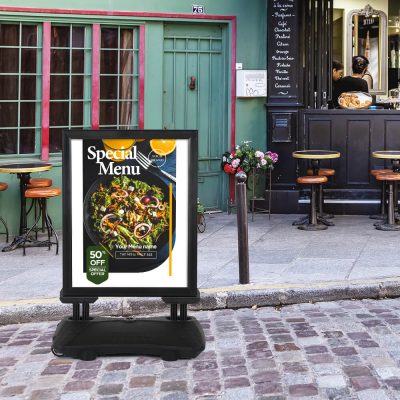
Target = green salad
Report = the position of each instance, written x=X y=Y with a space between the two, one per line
x=129 y=214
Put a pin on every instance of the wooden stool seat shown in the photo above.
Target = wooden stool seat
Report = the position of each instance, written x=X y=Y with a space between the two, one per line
x=39 y=183
x=42 y=192
x=312 y=180
x=3 y=186
x=375 y=172
x=393 y=176
x=322 y=172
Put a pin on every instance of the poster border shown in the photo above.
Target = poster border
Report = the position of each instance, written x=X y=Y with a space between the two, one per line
x=191 y=289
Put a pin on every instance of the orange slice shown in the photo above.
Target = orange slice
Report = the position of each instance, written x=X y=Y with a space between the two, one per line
x=118 y=155
x=163 y=147
x=117 y=144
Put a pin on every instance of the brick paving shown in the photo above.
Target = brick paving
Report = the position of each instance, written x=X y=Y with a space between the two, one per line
x=338 y=350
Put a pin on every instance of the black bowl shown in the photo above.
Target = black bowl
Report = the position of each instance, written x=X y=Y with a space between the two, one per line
x=130 y=264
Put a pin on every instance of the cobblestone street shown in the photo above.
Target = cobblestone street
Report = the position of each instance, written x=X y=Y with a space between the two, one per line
x=339 y=350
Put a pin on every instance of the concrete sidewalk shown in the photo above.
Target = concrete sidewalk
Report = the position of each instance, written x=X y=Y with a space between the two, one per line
x=349 y=260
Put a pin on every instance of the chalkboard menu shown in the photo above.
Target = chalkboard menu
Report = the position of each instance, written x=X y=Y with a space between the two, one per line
x=283 y=51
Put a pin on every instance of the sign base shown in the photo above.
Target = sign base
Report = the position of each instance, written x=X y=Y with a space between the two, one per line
x=159 y=336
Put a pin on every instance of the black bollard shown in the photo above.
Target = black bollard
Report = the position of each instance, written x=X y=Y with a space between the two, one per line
x=242 y=226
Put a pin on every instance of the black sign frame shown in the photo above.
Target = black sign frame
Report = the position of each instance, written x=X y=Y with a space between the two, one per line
x=190 y=290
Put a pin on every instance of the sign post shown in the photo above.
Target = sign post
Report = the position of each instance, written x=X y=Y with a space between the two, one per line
x=124 y=237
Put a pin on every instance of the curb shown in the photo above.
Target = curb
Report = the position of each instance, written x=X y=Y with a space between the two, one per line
x=238 y=296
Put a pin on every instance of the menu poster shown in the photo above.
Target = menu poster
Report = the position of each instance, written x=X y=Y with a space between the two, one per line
x=283 y=50
x=124 y=195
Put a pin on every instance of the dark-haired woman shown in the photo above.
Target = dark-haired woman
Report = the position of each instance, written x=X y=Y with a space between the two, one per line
x=353 y=83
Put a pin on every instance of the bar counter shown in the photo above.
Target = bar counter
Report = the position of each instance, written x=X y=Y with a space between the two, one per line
x=355 y=134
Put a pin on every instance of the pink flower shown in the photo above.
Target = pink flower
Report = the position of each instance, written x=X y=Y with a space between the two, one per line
x=235 y=163
x=263 y=162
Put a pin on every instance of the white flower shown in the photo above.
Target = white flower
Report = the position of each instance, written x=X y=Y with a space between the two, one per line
x=259 y=154
x=263 y=162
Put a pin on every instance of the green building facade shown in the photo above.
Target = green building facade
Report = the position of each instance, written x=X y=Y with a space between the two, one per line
x=155 y=64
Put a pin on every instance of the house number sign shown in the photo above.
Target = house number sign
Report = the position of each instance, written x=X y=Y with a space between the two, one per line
x=197 y=9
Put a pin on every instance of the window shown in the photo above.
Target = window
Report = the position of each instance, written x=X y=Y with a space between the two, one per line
x=70 y=81
x=20 y=82
x=119 y=78
x=67 y=49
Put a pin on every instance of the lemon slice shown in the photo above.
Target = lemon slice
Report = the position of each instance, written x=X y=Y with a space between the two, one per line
x=118 y=155
x=163 y=147
x=118 y=144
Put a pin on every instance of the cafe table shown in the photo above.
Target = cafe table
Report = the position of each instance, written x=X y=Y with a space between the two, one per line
x=23 y=171
x=315 y=156
x=392 y=155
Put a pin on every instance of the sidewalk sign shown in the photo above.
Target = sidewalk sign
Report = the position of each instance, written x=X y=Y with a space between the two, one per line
x=129 y=229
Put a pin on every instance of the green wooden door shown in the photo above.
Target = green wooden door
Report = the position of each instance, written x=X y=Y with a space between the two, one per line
x=198 y=51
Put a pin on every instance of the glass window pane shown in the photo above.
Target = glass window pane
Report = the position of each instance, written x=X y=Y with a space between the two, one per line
x=27 y=141
x=109 y=62
x=125 y=87
x=59 y=61
x=59 y=87
x=9 y=114
x=77 y=87
x=59 y=113
x=125 y=112
x=108 y=113
x=28 y=87
x=60 y=36
x=126 y=62
x=109 y=38
x=9 y=35
x=108 y=87
x=29 y=35
x=8 y=87
x=9 y=60
x=55 y=140
x=78 y=64
x=8 y=141
x=28 y=60
x=27 y=114
x=77 y=113
x=126 y=39
x=78 y=36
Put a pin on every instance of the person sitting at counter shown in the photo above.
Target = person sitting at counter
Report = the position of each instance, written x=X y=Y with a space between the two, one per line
x=353 y=83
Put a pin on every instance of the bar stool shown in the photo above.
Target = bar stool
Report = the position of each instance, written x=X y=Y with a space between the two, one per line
x=389 y=179
x=41 y=195
x=374 y=173
x=38 y=183
x=315 y=181
x=323 y=172
x=3 y=187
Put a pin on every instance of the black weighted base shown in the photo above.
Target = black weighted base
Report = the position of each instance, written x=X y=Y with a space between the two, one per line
x=324 y=221
x=378 y=216
x=312 y=227
x=161 y=337
x=300 y=221
x=327 y=216
x=387 y=227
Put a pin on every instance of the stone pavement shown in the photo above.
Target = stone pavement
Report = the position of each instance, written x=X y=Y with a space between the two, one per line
x=349 y=260
x=340 y=350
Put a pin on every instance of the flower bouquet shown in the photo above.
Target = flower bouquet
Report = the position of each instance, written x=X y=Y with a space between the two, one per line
x=245 y=158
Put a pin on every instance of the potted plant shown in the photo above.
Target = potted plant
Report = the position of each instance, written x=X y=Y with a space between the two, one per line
x=201 y=222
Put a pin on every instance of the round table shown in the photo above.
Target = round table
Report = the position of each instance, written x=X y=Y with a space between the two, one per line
x=315 y=156
x=23 y=171
x=392 y=155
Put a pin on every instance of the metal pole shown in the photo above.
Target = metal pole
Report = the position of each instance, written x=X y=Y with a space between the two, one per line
x=242 y=226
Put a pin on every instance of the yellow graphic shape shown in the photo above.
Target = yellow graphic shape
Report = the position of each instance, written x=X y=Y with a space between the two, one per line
x=117 y=155
x=163 y=147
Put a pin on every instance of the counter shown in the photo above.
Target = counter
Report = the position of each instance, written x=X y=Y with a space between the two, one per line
x=355 y=134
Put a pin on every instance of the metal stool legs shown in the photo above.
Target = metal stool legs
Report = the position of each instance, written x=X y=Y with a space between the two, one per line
x=49 y=226
x=5 y=227
x=390 y=224
x=313 y=218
